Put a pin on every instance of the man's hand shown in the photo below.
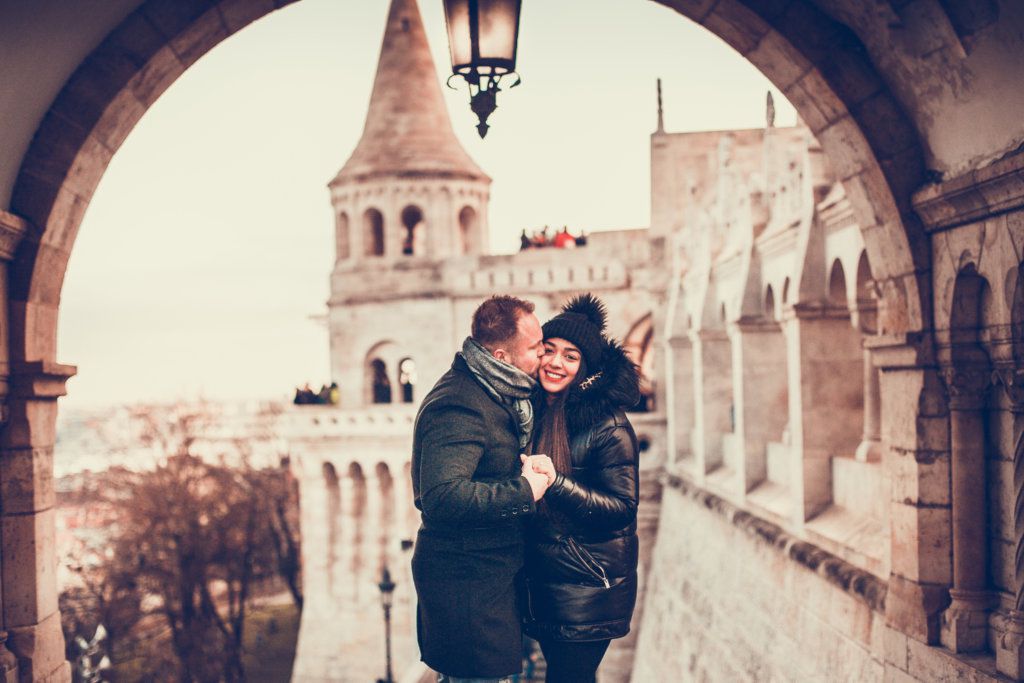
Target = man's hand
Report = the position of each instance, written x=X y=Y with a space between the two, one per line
x=543 y=464
x=538 y=482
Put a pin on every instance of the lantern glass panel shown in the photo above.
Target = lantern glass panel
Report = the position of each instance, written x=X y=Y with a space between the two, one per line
x=456 y=13
x=499 y=22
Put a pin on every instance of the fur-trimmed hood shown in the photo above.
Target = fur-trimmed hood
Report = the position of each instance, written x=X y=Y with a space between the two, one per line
x=614 y=386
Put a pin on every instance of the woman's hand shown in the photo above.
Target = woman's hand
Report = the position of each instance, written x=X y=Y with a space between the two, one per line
x=543 y=465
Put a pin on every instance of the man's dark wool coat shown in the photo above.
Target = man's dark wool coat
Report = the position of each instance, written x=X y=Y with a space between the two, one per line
x=467 y=485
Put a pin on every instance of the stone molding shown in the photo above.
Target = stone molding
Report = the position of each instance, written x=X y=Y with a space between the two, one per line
x=974 y=196
x=40 y=380
x=861 y=585
x=967 y=387
x=12 y=229
x=911 y=350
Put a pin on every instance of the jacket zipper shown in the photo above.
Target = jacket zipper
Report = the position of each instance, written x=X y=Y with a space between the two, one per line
x=588 y=561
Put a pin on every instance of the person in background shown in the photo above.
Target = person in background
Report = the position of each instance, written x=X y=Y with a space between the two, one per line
x=564 y=240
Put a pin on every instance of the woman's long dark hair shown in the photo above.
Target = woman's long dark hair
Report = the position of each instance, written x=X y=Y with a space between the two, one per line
x=551 y=437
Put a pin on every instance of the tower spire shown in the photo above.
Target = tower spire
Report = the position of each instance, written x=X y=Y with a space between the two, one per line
x=407 y=130
x=661 y=115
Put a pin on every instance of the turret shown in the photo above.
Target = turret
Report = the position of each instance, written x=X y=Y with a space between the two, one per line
x=409 y=192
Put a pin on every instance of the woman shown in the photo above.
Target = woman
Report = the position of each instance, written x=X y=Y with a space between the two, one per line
x=582 y=548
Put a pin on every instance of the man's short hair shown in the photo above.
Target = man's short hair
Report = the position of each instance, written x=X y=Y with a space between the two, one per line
x=496 y=321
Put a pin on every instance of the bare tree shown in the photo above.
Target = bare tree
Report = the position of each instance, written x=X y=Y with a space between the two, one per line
x=192 y=541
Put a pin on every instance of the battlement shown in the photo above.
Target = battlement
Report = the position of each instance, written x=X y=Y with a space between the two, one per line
x=314 y=422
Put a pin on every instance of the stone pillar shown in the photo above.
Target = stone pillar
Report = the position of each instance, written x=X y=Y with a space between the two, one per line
x=28 y=554
x=1009 y=646
x=870 y=448
x=761 y=393
x=712 y=396
x=916 y=463
x=965 y=621
x=826 y=393
x=679 y=395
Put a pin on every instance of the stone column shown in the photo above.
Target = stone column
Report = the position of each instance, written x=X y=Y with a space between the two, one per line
x=826 y=385
x=1009 y=646
x=28 y=554
x=965 y=621
x=870 y=448
x=916 y=463
x=712 y=396
x=679 y=395
x=761 y=393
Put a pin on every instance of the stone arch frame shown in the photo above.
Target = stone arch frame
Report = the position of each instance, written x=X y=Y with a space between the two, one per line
x=798 y=47
x=639 y=346
x=967 y=376
x=819 y=64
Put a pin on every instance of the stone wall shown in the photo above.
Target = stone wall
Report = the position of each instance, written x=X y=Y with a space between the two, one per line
x=731 y=598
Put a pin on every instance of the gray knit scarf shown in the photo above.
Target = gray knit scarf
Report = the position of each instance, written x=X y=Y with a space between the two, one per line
x=506 y=383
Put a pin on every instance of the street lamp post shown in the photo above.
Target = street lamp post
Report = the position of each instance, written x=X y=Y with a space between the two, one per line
x=387 y=589
x=482 y=37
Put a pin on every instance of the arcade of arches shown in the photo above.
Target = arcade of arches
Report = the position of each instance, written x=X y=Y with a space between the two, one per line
x=758 y=571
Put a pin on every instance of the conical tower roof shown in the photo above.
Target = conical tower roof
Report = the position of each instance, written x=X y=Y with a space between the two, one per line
x=407 y=132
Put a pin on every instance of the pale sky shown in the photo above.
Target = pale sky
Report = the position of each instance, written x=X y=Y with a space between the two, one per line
x=208 y=243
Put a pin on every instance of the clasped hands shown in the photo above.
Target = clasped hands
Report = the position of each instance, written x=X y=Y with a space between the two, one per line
x=539 y=472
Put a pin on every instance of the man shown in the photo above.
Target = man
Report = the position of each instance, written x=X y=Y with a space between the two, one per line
x=473 y=493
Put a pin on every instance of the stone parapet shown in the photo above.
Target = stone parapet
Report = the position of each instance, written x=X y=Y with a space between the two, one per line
x=864 y=586
x=994 y=189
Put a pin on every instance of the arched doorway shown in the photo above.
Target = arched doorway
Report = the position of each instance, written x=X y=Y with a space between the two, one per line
x=125 y=74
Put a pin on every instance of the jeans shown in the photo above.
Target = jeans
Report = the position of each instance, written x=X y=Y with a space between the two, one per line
x=443 y=678
x=573 y=662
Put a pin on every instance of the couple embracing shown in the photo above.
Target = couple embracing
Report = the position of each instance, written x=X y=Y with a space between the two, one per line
x=524 y=470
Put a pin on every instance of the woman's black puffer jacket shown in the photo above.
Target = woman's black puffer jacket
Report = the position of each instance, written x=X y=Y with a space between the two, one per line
x=582 y=553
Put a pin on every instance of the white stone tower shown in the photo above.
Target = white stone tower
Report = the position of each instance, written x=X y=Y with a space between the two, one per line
x=407 y=199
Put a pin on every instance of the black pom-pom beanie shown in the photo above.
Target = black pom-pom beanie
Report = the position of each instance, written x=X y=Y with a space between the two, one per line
x=582 y=322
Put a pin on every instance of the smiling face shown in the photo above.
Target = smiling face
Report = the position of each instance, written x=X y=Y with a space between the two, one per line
x=559 y=365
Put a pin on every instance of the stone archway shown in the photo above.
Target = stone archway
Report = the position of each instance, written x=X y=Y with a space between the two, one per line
x=819 y=64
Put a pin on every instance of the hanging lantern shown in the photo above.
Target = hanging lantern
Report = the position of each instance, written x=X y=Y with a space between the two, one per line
x=482 y=36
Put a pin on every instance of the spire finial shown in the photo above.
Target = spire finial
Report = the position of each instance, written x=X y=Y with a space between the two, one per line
x=661 y=114
x=770 y=111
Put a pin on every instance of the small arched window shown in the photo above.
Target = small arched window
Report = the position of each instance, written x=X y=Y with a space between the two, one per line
x=373 y=233
x=412 y=236
x=467 y=230
x=381 y=385
x=407 y=378
x=837 y=284
x=769 y=303
x=342 y=243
